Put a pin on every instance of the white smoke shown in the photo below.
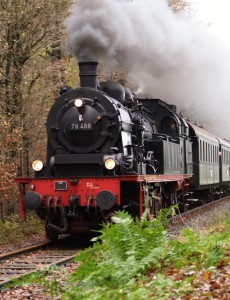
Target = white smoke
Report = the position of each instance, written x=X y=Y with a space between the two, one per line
x=166 y=55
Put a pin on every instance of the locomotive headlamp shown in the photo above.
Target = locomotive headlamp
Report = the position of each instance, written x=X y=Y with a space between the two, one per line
x=110 y=164
x=78 y=103
x=37 y=165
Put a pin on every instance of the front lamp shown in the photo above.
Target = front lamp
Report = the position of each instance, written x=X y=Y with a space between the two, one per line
x=110 y=164
x=37 y=165
x=78 y=103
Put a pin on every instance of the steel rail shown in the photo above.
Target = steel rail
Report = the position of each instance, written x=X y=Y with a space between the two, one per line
x=200 y=208
x=11 y=271
x=24 y=250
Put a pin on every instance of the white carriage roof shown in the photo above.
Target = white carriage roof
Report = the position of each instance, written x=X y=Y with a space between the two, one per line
x=203 y=134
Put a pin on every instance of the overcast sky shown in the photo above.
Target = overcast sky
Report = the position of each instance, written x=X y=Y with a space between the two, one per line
x=216 y=14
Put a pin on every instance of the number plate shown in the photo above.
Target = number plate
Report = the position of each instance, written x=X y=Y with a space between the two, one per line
x=81 y=126
x=60 y=185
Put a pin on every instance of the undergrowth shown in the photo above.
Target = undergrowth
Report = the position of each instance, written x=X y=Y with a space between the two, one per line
x=14 y=231
x=134 y=259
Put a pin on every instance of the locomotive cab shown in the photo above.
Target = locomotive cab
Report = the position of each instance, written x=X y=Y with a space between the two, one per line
x=171 y=142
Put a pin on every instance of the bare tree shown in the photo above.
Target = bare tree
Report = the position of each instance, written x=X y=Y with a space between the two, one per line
x=27 y=28
x=31 y=34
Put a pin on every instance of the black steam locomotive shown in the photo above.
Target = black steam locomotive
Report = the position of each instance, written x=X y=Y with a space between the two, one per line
x=109 y=151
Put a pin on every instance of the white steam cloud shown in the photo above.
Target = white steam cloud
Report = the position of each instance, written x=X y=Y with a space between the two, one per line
x=166 y=55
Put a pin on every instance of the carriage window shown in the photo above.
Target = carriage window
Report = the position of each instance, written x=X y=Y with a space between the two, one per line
x=200 y=150
x=203 y=151
x=210 y=153
x=213 y=153
x=212 y=148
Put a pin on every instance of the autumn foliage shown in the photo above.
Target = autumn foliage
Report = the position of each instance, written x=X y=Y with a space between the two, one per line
x=31 y=39
x=9 y=146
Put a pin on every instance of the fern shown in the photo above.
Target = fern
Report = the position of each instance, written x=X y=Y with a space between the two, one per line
x=130 y=259
x=197 y=249
x=127 y=250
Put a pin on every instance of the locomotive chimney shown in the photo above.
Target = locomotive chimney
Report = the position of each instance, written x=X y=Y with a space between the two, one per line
x=88 y=74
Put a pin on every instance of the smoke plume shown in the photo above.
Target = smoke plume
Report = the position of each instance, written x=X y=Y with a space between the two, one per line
x=165 y=55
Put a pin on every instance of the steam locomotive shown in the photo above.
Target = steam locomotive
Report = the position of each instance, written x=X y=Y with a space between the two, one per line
x=109 y=151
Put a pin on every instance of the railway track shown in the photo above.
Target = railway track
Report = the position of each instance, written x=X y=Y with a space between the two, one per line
x=14 y=265
x=199 y=215
x=204 y=207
